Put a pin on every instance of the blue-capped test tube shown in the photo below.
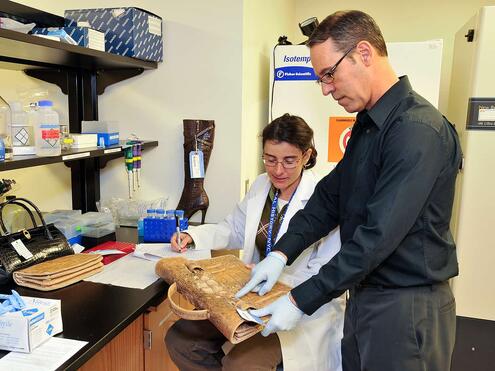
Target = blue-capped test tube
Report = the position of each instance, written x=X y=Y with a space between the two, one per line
x=150 y=213
x=160 y=213
x=170 y=214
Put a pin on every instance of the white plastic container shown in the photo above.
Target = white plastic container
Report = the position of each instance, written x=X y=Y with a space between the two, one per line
x=22 y=131
x=6 y=128
x=48 y=130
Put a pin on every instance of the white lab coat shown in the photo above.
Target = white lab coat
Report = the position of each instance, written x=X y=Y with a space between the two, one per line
x=315 y=343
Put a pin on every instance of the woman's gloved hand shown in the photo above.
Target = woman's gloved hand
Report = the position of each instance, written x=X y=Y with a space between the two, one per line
x=264 y=275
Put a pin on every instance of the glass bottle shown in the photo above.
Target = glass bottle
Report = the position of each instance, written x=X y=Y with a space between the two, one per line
x=6 y=128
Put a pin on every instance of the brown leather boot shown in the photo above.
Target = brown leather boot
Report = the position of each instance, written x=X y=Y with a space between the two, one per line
x=198 y=134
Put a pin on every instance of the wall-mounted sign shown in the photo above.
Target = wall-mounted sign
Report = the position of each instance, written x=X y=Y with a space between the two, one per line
x=481 y=114
x=339 y=132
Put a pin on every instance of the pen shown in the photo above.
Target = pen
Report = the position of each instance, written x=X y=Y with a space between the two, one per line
x=177 y=226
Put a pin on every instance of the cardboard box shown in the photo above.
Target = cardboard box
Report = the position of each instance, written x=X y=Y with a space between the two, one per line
x=24 y=330
x=83 y=36
x=131 y=32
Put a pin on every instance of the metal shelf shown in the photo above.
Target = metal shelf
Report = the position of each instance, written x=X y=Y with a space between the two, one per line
x=104 y=154
x=21 y=51
x=82 y=74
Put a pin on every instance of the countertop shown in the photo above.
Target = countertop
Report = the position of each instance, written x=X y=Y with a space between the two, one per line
x=95 y=312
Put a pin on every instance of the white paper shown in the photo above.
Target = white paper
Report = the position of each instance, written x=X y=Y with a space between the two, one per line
x=249 y=316
x=48 y=356
x=486 y=113
x=107 y=252
x=127 y=271
x=77 y=248
x=156 y=251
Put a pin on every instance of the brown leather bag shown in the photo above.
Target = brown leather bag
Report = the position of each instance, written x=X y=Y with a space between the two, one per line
x=60 y=272
x=210 y=285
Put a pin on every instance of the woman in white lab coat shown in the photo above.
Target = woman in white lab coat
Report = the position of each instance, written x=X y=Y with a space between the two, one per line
x=274 y=197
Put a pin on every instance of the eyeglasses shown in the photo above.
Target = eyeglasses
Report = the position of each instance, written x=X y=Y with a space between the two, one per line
x=287 y=163
x=327 y=77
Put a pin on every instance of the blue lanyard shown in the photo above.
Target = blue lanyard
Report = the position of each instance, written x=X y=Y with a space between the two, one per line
x=273 y=214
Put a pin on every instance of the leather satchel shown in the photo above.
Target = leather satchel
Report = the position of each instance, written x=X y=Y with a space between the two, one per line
x=210 y=285
x=60 y=272
x=43 y=243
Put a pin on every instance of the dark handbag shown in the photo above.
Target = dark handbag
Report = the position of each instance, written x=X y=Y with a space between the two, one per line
x=44 y=243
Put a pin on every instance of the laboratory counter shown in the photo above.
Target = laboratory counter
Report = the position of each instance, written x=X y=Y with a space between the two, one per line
x=95 y=312
x=99 y=313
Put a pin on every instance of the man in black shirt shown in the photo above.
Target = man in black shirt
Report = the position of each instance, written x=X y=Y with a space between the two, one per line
x=392 y=197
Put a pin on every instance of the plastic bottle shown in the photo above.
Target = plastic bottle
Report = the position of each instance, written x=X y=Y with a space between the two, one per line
x=22 y=131
x=179 y=214
x=6 y=128
x=150 y=213
x=48 y=130
x=170 y=215
x=160 y=213
x=2 y=150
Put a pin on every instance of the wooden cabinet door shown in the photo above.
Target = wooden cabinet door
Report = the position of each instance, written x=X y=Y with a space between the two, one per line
x=157 y=321
x=123 y=353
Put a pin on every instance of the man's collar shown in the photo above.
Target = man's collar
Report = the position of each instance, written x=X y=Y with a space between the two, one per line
x=382 y=108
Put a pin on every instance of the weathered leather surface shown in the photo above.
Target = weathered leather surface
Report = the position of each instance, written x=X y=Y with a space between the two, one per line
x=60 y=272
x=211 y=284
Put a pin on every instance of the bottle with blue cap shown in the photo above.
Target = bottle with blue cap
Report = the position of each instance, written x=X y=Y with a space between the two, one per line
x=160 y=214
x=150 y=213
x=48 y=130
x=170 y=214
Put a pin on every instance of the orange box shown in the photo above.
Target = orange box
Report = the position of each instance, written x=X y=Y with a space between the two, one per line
x=339 y=132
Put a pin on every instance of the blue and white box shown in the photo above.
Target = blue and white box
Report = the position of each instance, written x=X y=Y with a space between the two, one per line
x=104 y=130
x=83 y=36
x=26 y=329
x=131 y=32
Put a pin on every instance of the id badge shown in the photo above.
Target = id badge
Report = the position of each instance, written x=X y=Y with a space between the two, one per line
x=196 y=164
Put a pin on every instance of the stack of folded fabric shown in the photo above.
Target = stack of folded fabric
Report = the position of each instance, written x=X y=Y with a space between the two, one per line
x=60 y=272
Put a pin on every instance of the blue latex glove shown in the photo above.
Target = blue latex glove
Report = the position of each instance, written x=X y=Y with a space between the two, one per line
x=264 y=275
x=11 y=303
x=284 y=315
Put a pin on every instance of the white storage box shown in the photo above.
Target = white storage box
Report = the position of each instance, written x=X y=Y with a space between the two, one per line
x=84 y=140
x=24 y=330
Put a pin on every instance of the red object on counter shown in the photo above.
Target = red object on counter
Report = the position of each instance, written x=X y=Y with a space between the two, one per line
x=125 y=247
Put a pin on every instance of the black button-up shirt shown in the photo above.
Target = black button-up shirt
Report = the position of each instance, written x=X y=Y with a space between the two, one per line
x=391 y=195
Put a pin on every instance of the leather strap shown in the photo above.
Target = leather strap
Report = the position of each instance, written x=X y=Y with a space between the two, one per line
x=18 y=201
x=14 y=202
x=193 y=315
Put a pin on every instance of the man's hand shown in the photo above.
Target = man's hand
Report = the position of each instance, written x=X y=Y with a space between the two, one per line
x=268 y=270
x=285 y=315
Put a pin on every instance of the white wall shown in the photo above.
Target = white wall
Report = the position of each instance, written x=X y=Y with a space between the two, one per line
x=264 y=22
x=199 y=78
